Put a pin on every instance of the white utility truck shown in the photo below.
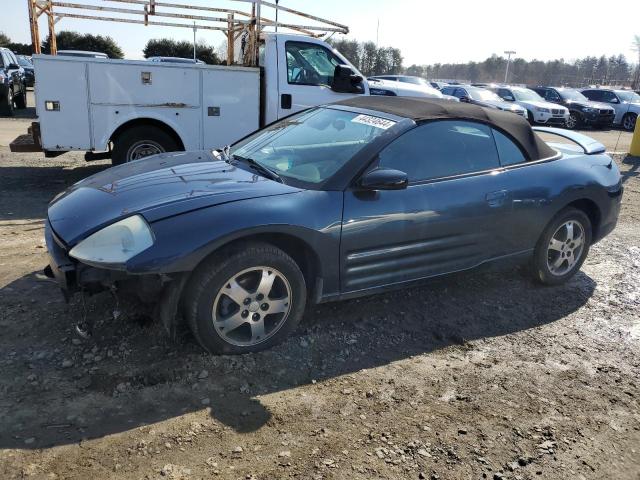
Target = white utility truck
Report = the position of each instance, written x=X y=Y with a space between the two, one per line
x=127 y=110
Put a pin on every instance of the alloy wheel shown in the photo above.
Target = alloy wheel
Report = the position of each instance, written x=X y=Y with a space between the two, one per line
x=629 y=122
x=143 y=148
x=252 y=306
x=572 y=121
x=565 y=247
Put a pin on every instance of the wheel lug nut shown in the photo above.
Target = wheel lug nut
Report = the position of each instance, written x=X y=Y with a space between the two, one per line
x=256 y=316
x=264 y=306
x=259 y=297
x=247 y=301
x=245 y=313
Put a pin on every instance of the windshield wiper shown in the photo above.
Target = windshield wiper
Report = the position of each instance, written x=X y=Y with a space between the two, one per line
x=267 y=172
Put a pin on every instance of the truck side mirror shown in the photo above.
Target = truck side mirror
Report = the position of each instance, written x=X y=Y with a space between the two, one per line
x=345 y=81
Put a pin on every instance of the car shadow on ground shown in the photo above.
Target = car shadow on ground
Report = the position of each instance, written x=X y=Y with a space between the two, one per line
x=144 y=378
x=44 y=182
x=634 y=171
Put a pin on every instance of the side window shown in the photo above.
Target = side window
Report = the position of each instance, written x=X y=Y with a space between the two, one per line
x=309 y=64
x=441 y=149
x=551 y=96
x=505 y=94
x=608 y=96
x=461 y=92
x=447 y=90
x=593 y=95
x=508 y=151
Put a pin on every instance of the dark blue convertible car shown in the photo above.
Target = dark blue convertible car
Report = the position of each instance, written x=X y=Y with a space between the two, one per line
x=334 y=202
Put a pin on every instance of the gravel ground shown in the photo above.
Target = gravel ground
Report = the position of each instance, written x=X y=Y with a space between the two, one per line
x=483 y=375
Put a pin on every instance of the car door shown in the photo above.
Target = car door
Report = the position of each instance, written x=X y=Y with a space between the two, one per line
x=449 y=218
x=614 y=101
x=15 y=71
x=305 y=75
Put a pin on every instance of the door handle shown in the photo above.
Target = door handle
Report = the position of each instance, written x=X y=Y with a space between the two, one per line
x=285 y=101
x=496 y=199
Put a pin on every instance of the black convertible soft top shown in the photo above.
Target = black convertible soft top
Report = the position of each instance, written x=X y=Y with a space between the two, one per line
x=424 y=109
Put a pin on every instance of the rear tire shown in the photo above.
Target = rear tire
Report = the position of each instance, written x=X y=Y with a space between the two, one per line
x=6 y=104
x=141 y=141
x=629 y=121
x=231 y=311
x=561 y=250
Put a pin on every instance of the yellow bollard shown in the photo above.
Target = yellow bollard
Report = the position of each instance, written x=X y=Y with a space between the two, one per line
x=634 y=149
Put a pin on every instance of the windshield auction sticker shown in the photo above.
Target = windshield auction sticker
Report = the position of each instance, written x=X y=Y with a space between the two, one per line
x=377 y=122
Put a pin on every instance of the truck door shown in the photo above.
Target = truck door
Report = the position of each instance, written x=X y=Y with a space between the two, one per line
x=305 y=75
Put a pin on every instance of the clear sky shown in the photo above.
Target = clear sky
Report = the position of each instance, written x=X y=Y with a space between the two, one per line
x=425 y=31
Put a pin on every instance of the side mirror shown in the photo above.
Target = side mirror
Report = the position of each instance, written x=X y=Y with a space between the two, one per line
x=509 y=98
x=384 y=179
x=464 y=99
x=13 y=66
x=614 y=100
x=345 y=81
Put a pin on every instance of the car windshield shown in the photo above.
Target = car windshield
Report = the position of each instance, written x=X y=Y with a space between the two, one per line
x=628 y=96
x=414 y=80
x=484 y=95
x=573 y=95
x=524 y=94
x=24 y=62
x=313 y=145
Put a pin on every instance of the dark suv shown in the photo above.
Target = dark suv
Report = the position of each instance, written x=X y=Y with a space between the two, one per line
x=582 y=111
x=13 y=88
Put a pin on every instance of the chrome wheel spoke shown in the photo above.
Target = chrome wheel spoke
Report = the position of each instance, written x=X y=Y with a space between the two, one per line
x=266 y=282
x=569 y=227
x=231 y=323
x=257 y=331
x=555 y=245
x=235 y=292
x=278 y=306
x=558 y=262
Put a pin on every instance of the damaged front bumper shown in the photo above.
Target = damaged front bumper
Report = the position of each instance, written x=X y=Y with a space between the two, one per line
x=162 y=290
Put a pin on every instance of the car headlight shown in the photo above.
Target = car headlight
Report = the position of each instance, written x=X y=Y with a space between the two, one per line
x=115 y=244
x=2 y=77
x=540 y=109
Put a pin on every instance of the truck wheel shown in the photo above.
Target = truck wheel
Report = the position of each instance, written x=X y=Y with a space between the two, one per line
x=629 y=121
x=21 y=100
x=6 y=104
x=141 y=141
x=245 y=299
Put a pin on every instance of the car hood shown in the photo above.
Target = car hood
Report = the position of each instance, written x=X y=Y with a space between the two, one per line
x=404 y=89
x=590 y=104
x=155 y=187
x=540 y=104
x=510 y=106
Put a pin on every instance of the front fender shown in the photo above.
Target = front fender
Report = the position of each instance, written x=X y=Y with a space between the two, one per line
x=183 y=241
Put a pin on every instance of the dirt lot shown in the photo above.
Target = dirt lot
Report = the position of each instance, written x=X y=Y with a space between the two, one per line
x=484 y=375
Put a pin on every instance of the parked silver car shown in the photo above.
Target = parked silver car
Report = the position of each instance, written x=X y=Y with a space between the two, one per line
x=538 y=109
x=626 y=103
x=482 y=97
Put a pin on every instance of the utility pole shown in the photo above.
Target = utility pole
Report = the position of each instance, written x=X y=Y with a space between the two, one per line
x=506 y=73
x=277 y=1
x=377 y=32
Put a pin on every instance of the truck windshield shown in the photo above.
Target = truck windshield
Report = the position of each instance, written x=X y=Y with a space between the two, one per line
x=313 y=145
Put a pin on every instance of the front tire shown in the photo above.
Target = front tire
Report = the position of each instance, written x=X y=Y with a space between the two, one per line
x=629 y=121
x=141 y=141
x=574 y=121
x=6 y=104
x=530 y=118
x=21 y=100
x=245 y=299
x=562 y=247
